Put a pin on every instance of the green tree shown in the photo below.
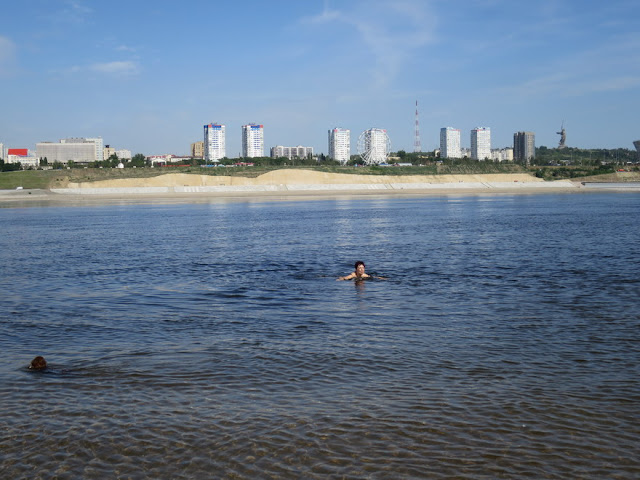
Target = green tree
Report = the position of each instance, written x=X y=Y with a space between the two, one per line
x=112 y=161
x=138 y=161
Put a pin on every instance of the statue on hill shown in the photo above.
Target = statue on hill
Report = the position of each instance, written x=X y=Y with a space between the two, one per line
x=563 y=136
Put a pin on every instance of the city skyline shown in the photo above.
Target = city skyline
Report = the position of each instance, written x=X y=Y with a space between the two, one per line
x=86 y=69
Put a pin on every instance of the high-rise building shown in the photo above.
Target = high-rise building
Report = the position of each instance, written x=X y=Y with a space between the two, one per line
x=340 y=144
x=481 y=143
x=214 y=142
x=79 y=150
x=99 y=146
x=637 y=145
x=524 y=146
x=374 y=146
x=1 y=151
x=450 y=143
x=252 y=140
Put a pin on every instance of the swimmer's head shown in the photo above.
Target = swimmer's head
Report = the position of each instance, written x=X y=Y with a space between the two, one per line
x=359 y=267
x=38 y=363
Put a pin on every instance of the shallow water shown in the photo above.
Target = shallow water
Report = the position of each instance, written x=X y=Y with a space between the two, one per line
x=212 y=341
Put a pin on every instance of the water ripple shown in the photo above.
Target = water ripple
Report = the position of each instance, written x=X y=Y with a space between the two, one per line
x=503 y=344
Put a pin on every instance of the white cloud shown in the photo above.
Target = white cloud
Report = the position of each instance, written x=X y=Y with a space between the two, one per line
x=125 y=48
x=120 y=68
x=612 y=66
x=7 y=56
x=76 y=12
x=394 y=32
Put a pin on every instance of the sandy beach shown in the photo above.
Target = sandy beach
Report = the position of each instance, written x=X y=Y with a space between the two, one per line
x=284 y=185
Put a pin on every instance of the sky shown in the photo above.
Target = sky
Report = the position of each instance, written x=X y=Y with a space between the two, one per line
x=146 y=76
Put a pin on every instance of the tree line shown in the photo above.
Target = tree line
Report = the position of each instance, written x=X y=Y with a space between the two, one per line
x=591 y=159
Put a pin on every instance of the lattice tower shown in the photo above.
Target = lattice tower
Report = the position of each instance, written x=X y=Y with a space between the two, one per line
x=416 y=142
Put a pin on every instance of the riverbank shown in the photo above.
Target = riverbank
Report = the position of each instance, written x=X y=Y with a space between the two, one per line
x=281 y=185
x=292 y=184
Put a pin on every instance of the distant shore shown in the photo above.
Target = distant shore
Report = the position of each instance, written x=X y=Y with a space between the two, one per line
x=290 y=185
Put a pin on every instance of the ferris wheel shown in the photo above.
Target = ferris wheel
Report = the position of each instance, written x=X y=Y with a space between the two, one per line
x=374 y=146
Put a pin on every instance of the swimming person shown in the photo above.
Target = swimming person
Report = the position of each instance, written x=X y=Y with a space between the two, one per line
x=358 y=274
x=38 y=363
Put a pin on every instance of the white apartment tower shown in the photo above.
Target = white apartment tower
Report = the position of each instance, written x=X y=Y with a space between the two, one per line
x=450 y=143
x=214 y=142
x=252 y=140
x=374 y=146
x=340 y=144
x=481 y=143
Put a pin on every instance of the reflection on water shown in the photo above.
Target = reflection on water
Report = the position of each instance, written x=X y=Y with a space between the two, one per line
x=213 y=340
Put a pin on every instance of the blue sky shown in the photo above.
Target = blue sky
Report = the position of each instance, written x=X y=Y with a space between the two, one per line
x=146 y=76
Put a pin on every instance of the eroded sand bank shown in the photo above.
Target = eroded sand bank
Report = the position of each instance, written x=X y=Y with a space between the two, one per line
x=299 y=177
x=282 y=185
x=292 y=181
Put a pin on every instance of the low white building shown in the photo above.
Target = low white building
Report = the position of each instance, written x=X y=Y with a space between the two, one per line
x=166 y=159
x=79 y=150
x=291 y=152
x=23 y=156
x=25 y=161
x=502 y=154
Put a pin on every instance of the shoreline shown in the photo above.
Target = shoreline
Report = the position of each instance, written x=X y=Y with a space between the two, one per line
x=53 y=198
x=290 y=185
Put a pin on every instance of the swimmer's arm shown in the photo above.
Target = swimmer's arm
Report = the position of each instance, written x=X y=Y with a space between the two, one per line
x=347 y=277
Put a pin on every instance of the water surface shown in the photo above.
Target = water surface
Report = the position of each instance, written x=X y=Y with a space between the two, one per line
x=212 y=340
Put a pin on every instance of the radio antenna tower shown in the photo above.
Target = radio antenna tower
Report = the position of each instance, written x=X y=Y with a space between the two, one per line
x=416 y=142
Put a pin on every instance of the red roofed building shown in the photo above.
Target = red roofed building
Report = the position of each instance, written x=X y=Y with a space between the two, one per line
x=18 y=152
x=21 y=156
